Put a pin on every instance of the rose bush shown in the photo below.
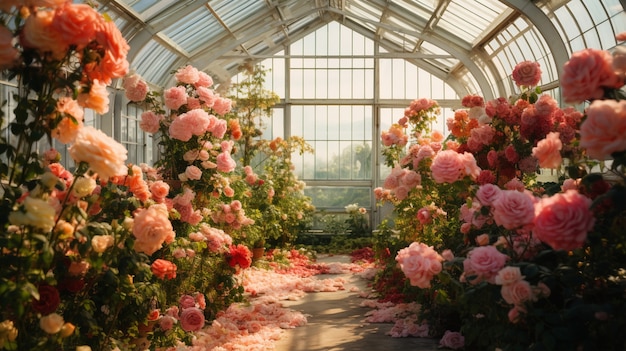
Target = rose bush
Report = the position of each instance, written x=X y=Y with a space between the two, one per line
x=528 y=264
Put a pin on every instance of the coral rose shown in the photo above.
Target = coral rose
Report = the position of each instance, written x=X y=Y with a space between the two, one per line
x=563 y=220
x=163 y=269
x=483 y=263
x=76 y=24
x=151 y=228
x=517 y=292
x=604 y=130
x=97 y=98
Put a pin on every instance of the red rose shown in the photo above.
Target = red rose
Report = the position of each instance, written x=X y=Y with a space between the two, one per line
x=240 y=256
x=49 y=299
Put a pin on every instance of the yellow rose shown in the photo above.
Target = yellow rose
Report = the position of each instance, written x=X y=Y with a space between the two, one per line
x=37 y=213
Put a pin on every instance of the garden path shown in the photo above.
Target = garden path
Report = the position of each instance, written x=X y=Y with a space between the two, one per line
x=336 y=322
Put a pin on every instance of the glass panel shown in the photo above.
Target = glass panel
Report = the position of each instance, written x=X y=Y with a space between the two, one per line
x=338 y=197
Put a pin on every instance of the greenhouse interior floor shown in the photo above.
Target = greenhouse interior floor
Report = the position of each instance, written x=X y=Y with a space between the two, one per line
x=336 y=322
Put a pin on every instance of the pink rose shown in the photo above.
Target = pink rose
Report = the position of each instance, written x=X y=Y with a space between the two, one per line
x=136 y=88
x=192 y=319
x=420 y=263
x=513 y=209
x=105 y=156
x=484 y=263
x=206 y=95
x=586 y=74
x=563 y=220
x=515 y=314
x=204 y=80
x=225 y=162
x=604 y=130
x=548 y=151
x=517 y=292
x=175 y=97
x=150 y=122
x=193 y=173
x=159 y=190
x=186 y=301
x=222 y=106
x=447 y=255
x=527 y=74
x=447 y=167
x=167 y=322
x=508 y=275
x=452 y=340
x=187 y=75
x=218 y=128
x=487 y=194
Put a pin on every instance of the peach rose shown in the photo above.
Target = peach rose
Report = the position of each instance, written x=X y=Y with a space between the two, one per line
x=193 y=173
x=527 y=74
x=37 y=34
x=71 y=122
x=136 y=88
x=604 y=130
x=104 y=155
x=508 y=275
x=151 y=228
x=113 y=64
x=586 y=74
x=51 y=323
x=99 y=243
x=563 y=220
x=96 y=99
x=163 y=269
x=517 y=292
x=548 y=151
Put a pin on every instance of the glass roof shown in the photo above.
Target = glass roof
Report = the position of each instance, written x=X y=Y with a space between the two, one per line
x=479 y=38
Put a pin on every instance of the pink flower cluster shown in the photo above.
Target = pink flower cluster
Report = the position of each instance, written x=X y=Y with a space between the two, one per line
x=418 y=108
x=189 y=313
x=401 y=181
x=217 y=240
x=420 y=263
x=517 y=292
x=232 y=214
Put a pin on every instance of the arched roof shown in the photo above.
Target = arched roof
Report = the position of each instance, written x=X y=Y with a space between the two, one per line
x=456 y=40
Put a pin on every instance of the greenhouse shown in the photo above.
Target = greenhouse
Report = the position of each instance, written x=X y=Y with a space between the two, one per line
x=169 y=167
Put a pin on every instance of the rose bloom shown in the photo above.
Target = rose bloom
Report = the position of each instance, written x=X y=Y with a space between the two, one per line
x=37 y=213
x=159 y=190
x=151 y=228
x=517 y=292
x=187 y=75
x=163 y=269
x=509 y=275
x=563 y=220
x=452 y=340
x=192 y=319
x=83 y=186
x=484 y=262
x=204 y=80
x=167 y=322
x=240 y=256
x=186 y=301
x=420 y=263
x=113 y=63
x=586 y=74
x=222 y=106
x=37 y=34
x=193 y=173
x=447 y=167
x=136 y=88
x=527 y=73
x=49 y=299
x=488 y=193
x=548 y=151
x=225 y=162
x=68 y=127
x=99 y=243
x=97 y=98
x=604 y=130
x=175 y=97
x=104 y=154
x=76 y=24
x=513 y=209
x=51 y=323
x=150 y=122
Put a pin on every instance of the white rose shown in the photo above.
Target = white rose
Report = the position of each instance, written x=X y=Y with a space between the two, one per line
x=37 y=213
x=83 y=186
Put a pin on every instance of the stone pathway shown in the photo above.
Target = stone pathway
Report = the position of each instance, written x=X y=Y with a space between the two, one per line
x=336 y=322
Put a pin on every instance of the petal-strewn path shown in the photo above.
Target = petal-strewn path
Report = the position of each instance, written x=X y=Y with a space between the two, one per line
x=336 y=320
